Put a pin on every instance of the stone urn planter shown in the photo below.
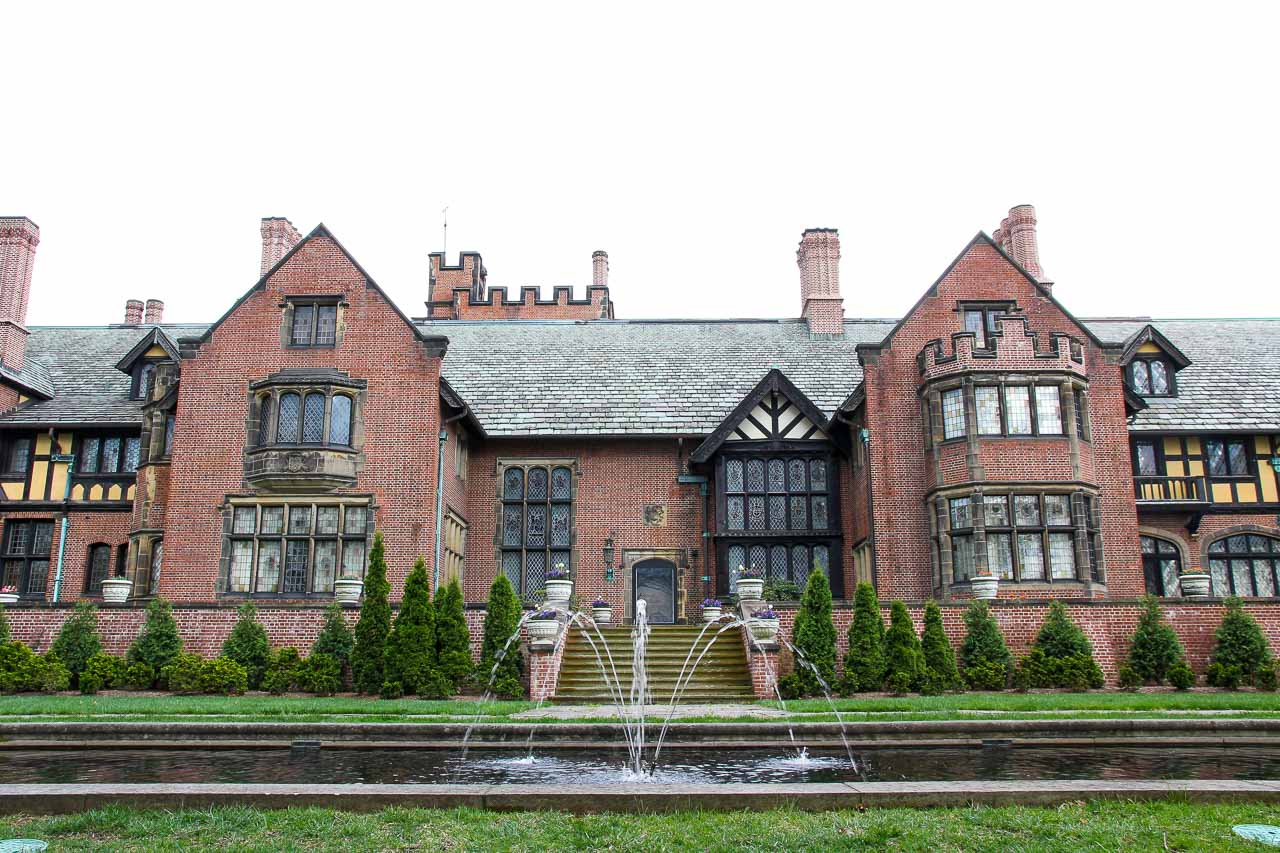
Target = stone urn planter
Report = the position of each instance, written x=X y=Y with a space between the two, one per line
x=750 y=589
x=116 y=590
x=559 y=587
x=348 y=590
x=601 y=612
x=9 y=595
x=984 y=586
x=764 y=626
x=543 y=627
x=711 y=610
x=1194 y=584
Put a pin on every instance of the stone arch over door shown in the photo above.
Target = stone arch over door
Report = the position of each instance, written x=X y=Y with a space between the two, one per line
x=675 y=556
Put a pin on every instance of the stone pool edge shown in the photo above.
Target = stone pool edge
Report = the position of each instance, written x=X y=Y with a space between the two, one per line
x=66 y=799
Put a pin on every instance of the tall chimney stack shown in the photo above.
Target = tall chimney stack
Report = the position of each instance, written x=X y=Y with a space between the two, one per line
x=155 y=312
x=1017 y=236
x=19 y=237
x=278 y=237
x=133 y=312
x=600 y=268
x=819 y=260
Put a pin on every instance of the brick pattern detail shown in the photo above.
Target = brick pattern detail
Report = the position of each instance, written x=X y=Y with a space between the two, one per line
x=819 y=260
x=133 y=312
x=278 y=238
x=155 y=312
x=1017 y=236
x=19 y=238
x=543 y=671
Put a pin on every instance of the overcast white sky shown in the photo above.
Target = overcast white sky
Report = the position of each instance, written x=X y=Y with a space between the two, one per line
x=693 y=142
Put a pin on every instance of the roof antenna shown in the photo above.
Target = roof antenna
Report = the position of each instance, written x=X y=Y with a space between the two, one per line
x=444 y=248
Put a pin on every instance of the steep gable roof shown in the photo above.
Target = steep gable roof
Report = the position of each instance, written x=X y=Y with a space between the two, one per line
x=154 y=337
x=774 y=382
x=1150 y=334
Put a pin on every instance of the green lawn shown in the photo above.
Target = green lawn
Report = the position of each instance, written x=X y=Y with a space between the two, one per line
x=1095 y=826
x=163 y=707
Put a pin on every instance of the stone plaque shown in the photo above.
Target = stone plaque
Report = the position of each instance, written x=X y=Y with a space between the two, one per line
x=655 y=515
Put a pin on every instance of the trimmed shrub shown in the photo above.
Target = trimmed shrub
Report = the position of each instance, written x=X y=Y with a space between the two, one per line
x=1241 y=651
x=904 y=658
x=159 y=642
x=411 y=647
x=1265 y=679
x=1181 y=676
x=248 y=646
x=501 y=671
x=319 y=674
x=453 y=640
x=282 y=673
x=814 y=635
x=369 y=655
x=78 y=639
x=391 y=690
x=1060 y=656
x=103 y=672
x=777 y=590
x=24 y=671
x=224 y=677
x=182 y=674
x=984 y=657
x=941 y=674
x=790 y=687
x=335 y=638
x=864 y=664
x=1128 y=678
x=1155 y=650
x=139 y=676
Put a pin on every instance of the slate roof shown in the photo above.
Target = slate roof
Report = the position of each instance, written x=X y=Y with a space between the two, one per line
x=635 y=377
x=665 y=377
x=79 y=363
x=1232 y=383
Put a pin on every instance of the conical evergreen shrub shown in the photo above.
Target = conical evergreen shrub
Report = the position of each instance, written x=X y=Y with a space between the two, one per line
x=159 y=641
x=1061 y=656
x=814 y=635
x=368 y=658
x=411 y=646
x=984 y=657
x=941 y=674
x=335 y=638
x=904 y=658
x=864 y=664
x=453 y=640
x=248 y=646
x=78 y=639
x=1155 y=651
x=501 y=620
x=1241 y=655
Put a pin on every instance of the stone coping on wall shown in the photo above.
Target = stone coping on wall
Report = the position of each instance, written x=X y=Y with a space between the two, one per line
x=633 y=798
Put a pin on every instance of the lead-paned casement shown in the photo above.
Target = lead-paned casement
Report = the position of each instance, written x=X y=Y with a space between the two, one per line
x=98 y=566
x=27 y=545
x=298 y=548
x=314 y=324
x=1018 y=409
x=953 y=425
x=1246 y=565
x=1162 y=566
x=454 y=548
x=1029 y=537
x=1049 y=409
x=536 y=530
x=111 y=454
x=987 y=404
x=1227 y=457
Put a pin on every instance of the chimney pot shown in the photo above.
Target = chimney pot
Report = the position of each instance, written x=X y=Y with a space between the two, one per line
x=819 y=260
x=278 y=238
x=1019 y=233
x=133 y=312
x=155 y=312
x=19 y=237
x=600 y=268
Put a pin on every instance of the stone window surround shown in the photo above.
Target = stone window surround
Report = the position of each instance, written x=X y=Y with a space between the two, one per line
x=286 y=318
x=327 y=383
x=527 y=462
x=1068 y=384
x=939 y=504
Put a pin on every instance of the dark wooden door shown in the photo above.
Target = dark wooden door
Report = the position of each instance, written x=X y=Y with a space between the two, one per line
x=655 y=582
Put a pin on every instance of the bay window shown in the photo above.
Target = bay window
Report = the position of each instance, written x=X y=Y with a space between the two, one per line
x=1027 y=537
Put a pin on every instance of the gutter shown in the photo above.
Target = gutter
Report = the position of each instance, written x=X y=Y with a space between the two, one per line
x=70 y=459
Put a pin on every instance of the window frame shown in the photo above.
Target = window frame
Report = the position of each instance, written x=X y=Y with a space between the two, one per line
x=82 y=440
x=315 y=303
x=1042 y=529
x=1162 y=550
x=92 y=584
x=143 y=377
x=27 y=557
x=1250 y=457
x=551 y=554
x=286 y=535
x=1145 y=361
x=1158 y=457
x=990 y=325
x=268 y=432
x=1033 y=410
x=1231 y=557
x=11 y=441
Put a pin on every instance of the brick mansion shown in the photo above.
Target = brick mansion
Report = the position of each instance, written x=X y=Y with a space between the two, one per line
x=988 y=432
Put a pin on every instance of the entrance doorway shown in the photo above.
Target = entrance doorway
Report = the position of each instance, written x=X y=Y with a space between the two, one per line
x=654 y=580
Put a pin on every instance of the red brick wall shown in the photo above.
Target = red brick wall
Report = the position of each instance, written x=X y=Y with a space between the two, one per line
x=1212 y=527
x=900 y=468
x=401 y=417
x=83 y=529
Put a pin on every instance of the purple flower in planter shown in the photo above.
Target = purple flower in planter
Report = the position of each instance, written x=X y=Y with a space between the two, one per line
x=546 y=614
x=710 y=602
x=764 y=614
x=751 y=575
x=557 y=574
x=600 y=602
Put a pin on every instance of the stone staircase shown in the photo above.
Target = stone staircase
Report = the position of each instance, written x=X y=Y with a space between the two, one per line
x=721 y=677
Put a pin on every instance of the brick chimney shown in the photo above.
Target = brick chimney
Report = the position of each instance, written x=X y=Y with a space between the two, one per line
x=155 y=311
x=278 y=237
x=133 y=312
x=19 y=237
x=600 y=268
x=1017 y=236
x=819 y=260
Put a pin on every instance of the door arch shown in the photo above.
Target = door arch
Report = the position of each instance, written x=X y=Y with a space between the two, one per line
x=654 y=580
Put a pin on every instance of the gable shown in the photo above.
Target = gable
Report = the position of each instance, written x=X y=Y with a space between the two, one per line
x=776 y=418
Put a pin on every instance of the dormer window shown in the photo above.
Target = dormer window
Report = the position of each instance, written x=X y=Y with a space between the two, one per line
x=1151 y=377
x=144 y=378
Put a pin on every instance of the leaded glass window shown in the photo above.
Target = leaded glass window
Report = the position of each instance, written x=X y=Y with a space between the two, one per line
x=1150 y=377
x=1049 y=409
x=287 y=420
x=537 y=525
x=777 y=476
x=755 y=475
x=110 y=456
x=295 y=549
x=1028 y=537
x=313 y=419
x=733 y=475
x=340 y=419
x=1017 y=399
x=953 y=413
x=1161 y=565
x=89 y=449
x=26 y=556
x=987 y=402
x=97 y=568
x=1245 y=565
x=315 y=324
x=1227 y=457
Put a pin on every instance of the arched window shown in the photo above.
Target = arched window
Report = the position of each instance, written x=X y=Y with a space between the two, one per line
x=99 y=565
x=264 y=420
x=1161 y=564
x=1245 y=565
x=313 y=419
x=287 y=419
x=340 y=420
